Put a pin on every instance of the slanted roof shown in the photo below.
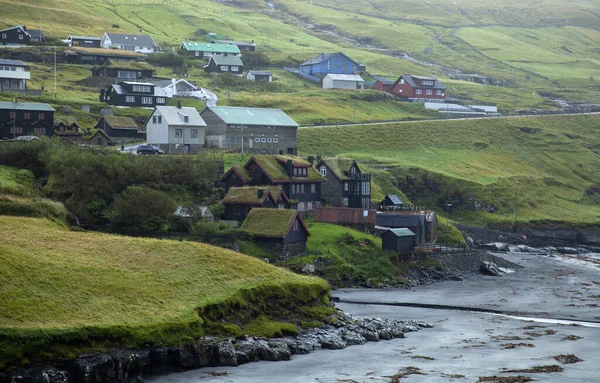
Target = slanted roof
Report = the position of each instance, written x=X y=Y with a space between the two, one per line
x=100 y=132
x=339 y=166
x=120 y=89
x=36 y=33
x=15 y=27
x=274 y=167
x=84 y=38
x=169 y=83
x=123 y=38
x=411 y=81
x=238 y=43
x=253 y=116
x=394 y=199
x=134 y=65
x=33 y=106
x=12 y=62
x=248 y=195
x=345 y=77
x=399 y=219
x=175 y=116
x=120 y=122
x=271 y=223
x=383 y=80
x=241 y=171
x=260 y=72
x=324 y=57
x=106 y=52
x=402 y=232
x=194 y=46
x=227 y=60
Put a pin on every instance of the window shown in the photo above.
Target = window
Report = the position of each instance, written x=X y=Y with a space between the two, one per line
x=154 y=119
x=313 y=189
x=345 y=186
x=224 y=68
x=13 y=115
x=4 y=35
x=429 y=91
x=234 y=69
x=27 y=116
x=160 y=100
x=439 y=92
x=186 y=119
x=323 y=170
x=345 y=201
x=20 y=37
x=41 y=116
x=129 y=98
x=401 y=81
x=269 y=139
x=427 y=82
x=419 y=91
x=40 y=131
x=194 y=133
x=262 y=139
x=16 y=130
x=296 y=226
x=257 y=139
x=147 y=100
x=141 y=88
x=275 y=140
x=178 y=133
x=295 y=171
x=366 y=188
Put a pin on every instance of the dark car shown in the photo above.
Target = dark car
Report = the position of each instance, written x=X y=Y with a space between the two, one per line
x=149 y=149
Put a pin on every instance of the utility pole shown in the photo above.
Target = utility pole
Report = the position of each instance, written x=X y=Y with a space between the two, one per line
x=355 y=111
x=516 y=201
x=242 y=142
x=55 y=71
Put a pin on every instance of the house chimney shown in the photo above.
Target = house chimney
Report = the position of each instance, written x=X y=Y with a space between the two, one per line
x=260 y=193
x=25 y=28
x=422 y=228
x=178 y=104
x=289 y=168
x=311 y=159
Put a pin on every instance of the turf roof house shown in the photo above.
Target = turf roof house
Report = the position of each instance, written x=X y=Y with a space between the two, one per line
x=418 y=88
x=280 y=231
x=26 y=119
x=83 y=41
x=298 y=179
x=132 y=94
x=117 y=127
x=225 y=64
x=257 y=130
x=16 y=36
x=99 y=56
x=337 y=63
x=127 y=42
x=242 y=45
x=176 y=129
x=68 y=130
x=201 y=50
x=13 y=75
x=347 y=185
x=239 y=201
x=124 y=71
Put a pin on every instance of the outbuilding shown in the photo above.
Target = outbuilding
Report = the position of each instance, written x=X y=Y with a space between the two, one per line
x=259 y=75
x=399 y=240
x=343 y=81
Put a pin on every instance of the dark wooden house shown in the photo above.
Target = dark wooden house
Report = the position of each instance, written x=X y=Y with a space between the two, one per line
x=117 y=127
x=134 y=94
x=239 y=201
x=422 y=223
x=391 y=202
x=84 y=41
x=398 y=240
x=225 y=64
x=68 y=131
x=347 y=185
x=124 y=71
x=16 y=36
x=25 y=119
x=100 y=56
x=99 y=138
x=298 y=179
x=280 y=231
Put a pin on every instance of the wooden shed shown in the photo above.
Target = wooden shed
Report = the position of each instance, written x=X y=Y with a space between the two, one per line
x=399 y=240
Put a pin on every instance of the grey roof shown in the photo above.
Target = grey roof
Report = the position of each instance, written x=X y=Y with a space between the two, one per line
x=12 y=62
x=401 y=232
x=16 y=26
x=253 y=116
x=158 y=91
x=383 y=80
x=395 y=199
x=410 y=80
x=260 y=72
x=174 y=115
x=239 y=43
x=119 y=38
x=395 y=220
x=345 y=77
x=35 y=106
x=227 y=60
x=84 y=37
x=324 y=57
x=35 y=33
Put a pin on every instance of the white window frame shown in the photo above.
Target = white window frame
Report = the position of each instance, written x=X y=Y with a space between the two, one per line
x=20 y=37
x=345 y=186
x=4 y=35
x=275 y=140
x=269 y=139
x=178 y=133
x=146 y=100
x=224 y=68
x=428 y=92
x=419 y=91
x=257 y=139
x=262 y=139
x=160 y=100
x=234 y=69
x=129 y=99
x=323 y=170
x=439 y=92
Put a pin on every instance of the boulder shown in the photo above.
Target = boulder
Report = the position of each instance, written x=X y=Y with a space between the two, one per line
x=490 y=268
x=227 y=355
x=495 y=246
x=308 y=269
x=567 y=250
x=93 y=368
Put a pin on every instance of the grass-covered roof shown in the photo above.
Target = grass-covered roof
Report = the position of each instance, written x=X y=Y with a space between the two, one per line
x=138 y=65
x=339 y=166
x=274 y=166
x=248 y=195
x=270 y=223
x=121 y=122
x=107 y=52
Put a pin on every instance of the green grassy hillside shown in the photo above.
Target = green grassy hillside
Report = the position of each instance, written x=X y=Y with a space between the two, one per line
x=64 y=292
x=475 y=164
x=536 y=48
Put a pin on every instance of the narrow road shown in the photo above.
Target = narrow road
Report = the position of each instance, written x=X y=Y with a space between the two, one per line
x=444 y=119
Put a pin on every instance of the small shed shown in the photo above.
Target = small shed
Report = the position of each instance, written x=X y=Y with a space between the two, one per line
x=259 y=75
x=118 y=126
x=343 y=81
x=399 y=240
x=192 y=214
x=99 y=138
x=391 y=201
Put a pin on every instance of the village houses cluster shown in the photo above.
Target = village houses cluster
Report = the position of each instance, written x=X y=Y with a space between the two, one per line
x=271 y=193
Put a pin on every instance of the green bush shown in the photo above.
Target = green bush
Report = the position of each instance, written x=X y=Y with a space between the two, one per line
x=213 y=229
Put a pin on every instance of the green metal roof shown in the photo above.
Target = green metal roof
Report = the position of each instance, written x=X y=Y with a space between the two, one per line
x=403 y=232
x=253 y=116
x=26 y=106
x=194 y=46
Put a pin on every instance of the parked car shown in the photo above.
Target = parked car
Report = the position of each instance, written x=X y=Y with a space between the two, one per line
x=149 y=149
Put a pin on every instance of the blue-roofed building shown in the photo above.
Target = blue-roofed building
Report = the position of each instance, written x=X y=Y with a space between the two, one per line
x=337 y=63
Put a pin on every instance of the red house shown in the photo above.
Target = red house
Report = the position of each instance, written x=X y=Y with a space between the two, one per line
x=384 y=85
x=417 y=88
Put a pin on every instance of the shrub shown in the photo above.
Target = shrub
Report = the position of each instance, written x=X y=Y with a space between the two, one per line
x=213 y=229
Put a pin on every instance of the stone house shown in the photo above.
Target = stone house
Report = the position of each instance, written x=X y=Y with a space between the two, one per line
x=239 y=201
x=347 y=185
x=280 y=231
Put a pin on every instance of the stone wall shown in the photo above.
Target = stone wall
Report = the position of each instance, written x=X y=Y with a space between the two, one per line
x=331 y=191
x=285 y=252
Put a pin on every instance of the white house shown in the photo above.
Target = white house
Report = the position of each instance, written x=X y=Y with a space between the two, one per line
x=259 y=75
x=179 y=88
x=133 y=43
x=175 y=129
x=13 y=75
x=343 y=81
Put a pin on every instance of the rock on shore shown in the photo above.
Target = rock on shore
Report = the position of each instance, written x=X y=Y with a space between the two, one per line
x=119 y=365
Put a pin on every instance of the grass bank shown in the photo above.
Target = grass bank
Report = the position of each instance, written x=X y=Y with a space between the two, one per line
x=65 y=292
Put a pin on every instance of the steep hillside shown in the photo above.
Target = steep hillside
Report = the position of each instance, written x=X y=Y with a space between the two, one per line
x=475 y=164
x=538 y=50
x=64 y=292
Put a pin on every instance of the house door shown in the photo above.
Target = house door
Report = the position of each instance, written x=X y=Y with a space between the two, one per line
x=186 y=148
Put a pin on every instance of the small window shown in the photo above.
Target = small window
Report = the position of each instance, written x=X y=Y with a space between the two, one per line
x=313 y=189
x=401 y=81
x=234 y=68
x=4 y=35
x=178 y=133
x=194 y=133
x=323 y=170
x=154 y=119
x=186 y=119
x=20 y=37
x=257 y=139
x=13 y=115
x=160 y=119
x=429 y=91
x=419 y=91
x=147 y=100
x=345 y=186
x=263 y=139
x=39 y=131
x=296 y=225
x=275 y=140
x=160 y=100
x=27 y=116
x=129 y=98
x=269 y=139
x=346 y=202
x=41 y=116
x=439 y=92
x=224 y=68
